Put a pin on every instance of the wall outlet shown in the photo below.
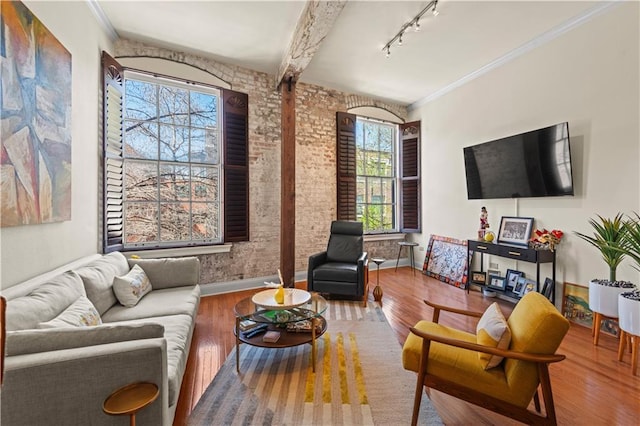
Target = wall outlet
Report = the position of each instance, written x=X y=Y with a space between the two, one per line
x=493 y=265
x=420 y=248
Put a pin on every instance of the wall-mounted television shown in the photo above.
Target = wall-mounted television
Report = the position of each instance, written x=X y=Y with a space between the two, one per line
x=530 y=164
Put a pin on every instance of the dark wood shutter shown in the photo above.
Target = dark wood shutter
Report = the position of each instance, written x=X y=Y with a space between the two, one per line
x=410 y=177
x=112 y=116
x=346 y=165
x=235 y=111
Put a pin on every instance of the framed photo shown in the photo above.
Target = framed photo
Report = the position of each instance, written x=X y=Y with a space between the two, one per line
x=548 y=287
x=529 y=286
x=575 y=304
x=493 y=272
x=512 y=278
x=478 y=277
x=519 y=285
x=497 y=283
x=515 y=230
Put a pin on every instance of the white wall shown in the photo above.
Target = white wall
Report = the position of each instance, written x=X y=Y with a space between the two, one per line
x=588 y=77
x=27 y=251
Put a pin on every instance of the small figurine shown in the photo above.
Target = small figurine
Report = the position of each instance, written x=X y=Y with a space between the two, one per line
x=484 y=222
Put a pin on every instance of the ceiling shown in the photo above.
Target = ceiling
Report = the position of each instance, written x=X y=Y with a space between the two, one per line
x=465 y=37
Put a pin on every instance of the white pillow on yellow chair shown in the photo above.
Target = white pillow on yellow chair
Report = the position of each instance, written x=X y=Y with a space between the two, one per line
x=492 y=330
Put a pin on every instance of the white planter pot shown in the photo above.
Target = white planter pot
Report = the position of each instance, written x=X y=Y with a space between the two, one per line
x=604 y=299
x=629 y=310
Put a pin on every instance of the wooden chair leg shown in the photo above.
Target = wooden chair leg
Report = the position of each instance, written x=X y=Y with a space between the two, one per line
x=536 y=400
x=417 y=400
x=547 y=395
x=621 y=344
x=597 y=322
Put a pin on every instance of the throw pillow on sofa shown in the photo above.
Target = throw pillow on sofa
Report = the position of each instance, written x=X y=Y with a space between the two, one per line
x=130 y=288
x=80 y=313
x=493 y=331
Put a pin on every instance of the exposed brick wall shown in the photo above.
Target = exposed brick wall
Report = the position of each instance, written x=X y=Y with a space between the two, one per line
x=315 y=167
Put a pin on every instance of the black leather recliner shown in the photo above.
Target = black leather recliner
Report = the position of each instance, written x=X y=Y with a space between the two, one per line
x=341 y=269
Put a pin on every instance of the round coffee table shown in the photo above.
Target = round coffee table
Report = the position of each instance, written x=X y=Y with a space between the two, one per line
x=297 y=325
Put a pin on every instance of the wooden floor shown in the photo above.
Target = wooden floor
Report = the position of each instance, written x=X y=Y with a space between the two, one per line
x=590 y=387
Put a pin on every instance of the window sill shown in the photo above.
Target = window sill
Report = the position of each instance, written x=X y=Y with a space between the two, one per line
x=384 y=237
x=183 y=251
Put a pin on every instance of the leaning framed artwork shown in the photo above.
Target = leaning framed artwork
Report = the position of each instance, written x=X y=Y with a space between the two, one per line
x=446 y=260
x=36 y=121
x=515 y=230
x=575 y=304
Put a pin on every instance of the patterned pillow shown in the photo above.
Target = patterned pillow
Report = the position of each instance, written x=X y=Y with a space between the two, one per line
x=80 y=313
x=130 y=288
x=493 y=331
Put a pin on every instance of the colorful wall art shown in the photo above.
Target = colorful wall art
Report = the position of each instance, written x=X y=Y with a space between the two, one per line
x=446 y=260
x=35 y=101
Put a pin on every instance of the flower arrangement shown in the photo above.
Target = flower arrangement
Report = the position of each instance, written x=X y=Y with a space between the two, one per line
x=546 y=240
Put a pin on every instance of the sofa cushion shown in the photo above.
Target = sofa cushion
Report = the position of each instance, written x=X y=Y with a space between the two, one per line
x=132 y=287
x=98 y=279
x=45 y=302
x=177 y=332
x=35 y=341
x=81 y=313
x=170 y=272
x=170 y=301
x=492 y=330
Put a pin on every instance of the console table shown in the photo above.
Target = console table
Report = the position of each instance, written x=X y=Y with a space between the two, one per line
x=524 y=254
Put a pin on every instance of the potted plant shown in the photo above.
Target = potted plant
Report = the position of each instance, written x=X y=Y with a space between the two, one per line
x=608 y=238
x=629 y=302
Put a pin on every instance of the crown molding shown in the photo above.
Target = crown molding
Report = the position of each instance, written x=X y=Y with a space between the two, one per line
x=104 y=22
x=540 y=40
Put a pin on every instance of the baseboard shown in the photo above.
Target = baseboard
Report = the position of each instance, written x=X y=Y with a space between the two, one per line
x=258 y=282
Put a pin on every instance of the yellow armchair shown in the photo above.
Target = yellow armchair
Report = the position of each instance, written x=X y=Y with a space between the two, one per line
x=447 y=360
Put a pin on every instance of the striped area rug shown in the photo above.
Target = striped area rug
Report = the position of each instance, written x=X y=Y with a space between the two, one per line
x=359 y=379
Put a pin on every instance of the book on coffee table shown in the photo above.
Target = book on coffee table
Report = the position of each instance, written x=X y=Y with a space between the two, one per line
x=271 y=336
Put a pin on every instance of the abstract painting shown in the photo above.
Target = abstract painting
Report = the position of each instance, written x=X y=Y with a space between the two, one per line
x=446 y=260
x=35 y=109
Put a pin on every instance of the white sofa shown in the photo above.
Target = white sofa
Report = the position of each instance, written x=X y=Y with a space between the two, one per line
x=62 y=375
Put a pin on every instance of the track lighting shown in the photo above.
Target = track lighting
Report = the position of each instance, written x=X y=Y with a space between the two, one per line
x=414 y=23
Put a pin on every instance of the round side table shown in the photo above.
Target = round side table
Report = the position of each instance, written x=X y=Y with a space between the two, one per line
x=377 y=291
x=411 y=245
x=130 y=399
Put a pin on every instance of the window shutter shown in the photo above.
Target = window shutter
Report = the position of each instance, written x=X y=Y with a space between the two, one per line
x=346 y=165
x=112 y=93
x=410 y=177
x=236 y=165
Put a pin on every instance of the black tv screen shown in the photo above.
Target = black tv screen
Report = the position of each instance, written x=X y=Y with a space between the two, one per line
x=531 y=164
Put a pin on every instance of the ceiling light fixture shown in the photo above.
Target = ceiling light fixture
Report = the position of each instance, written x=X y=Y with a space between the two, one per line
x=415 y=23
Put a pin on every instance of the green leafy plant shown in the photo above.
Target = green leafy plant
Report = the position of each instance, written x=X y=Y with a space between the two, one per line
x=631 y=240
x=609 y=238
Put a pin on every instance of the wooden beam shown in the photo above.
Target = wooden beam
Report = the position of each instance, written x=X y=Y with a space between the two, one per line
x=288 y=183
x=313 y=26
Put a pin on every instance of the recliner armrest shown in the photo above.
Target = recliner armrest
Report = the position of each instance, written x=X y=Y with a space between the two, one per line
x=363 y=260
x=315 y=260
